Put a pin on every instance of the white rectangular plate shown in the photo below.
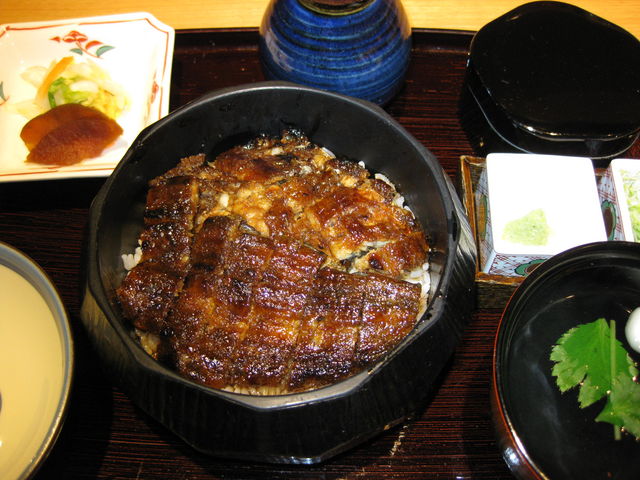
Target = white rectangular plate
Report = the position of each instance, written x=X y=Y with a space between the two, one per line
x=135 y=49
x=563 y=187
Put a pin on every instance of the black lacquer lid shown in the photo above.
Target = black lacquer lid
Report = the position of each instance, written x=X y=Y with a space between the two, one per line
x=558 y=73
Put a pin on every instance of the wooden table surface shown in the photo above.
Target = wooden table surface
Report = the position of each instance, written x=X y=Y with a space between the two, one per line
x=105 y=436
x=442 y=14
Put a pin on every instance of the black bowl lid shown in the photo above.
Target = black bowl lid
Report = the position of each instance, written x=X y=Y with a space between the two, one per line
x=560 y=72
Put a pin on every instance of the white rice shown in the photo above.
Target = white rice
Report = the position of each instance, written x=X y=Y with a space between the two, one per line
x=130 y=260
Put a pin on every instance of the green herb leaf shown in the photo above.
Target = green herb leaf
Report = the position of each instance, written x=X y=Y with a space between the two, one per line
x=623 y=407
x=590 y=357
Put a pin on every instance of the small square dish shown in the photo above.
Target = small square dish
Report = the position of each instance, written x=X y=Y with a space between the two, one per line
x=536 y=206
x=134 y=51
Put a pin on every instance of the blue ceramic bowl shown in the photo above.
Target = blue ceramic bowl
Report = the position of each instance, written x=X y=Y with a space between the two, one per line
x=360 y=49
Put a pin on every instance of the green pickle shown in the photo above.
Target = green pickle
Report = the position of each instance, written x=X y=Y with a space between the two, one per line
x=631 y=183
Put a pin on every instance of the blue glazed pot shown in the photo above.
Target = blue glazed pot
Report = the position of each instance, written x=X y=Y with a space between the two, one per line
x=361 y=49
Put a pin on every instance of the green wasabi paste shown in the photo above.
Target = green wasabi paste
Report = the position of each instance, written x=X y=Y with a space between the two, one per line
x=531 y=229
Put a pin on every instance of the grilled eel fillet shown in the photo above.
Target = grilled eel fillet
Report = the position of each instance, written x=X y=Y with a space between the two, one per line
x=275 y=268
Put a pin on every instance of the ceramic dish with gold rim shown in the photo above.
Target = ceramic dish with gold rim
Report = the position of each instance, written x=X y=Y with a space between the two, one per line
x=36 y=364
